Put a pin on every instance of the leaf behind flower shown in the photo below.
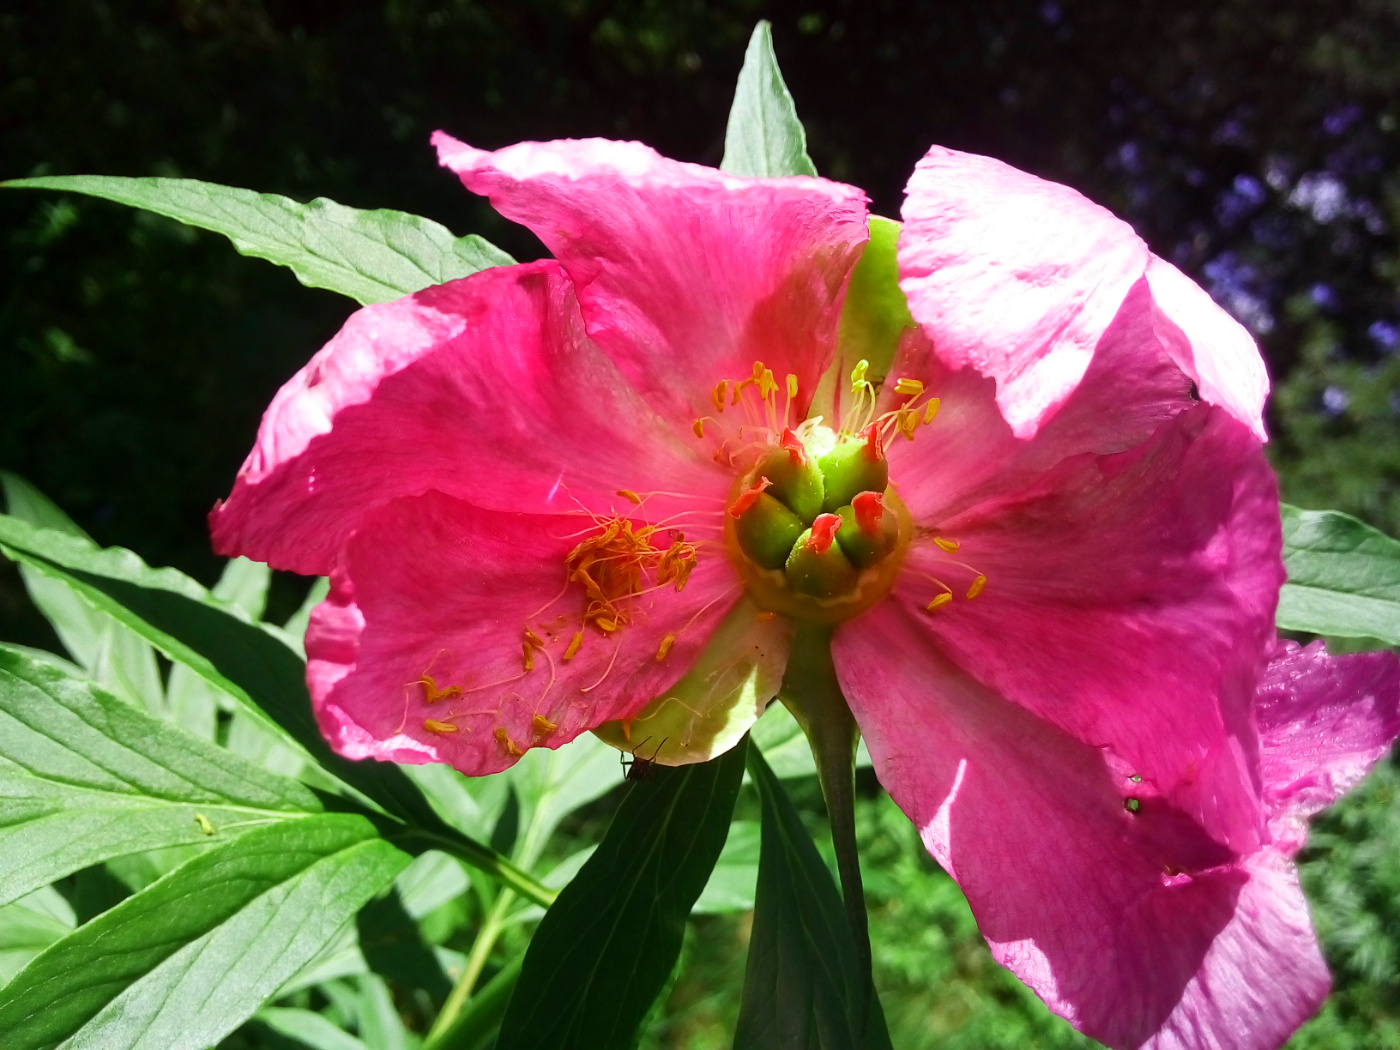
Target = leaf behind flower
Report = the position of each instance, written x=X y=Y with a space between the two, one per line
x=764 y=136
x=1343 y=577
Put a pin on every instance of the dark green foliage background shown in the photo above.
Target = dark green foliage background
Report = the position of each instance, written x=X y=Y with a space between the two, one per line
x=136 y=356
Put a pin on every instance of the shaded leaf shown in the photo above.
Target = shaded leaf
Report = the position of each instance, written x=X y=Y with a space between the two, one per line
x=803 y=985
x=240 y=919
x=308 y=1028
x=764 y=136
x=371 y=256
x=85 y=777
x=1343 y=577
x=605 y=949
x=731 y=885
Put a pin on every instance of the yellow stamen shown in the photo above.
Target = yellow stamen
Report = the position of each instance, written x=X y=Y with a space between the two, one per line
x=977 y=585
x=758 y=370
x=792 y=385
x=573 y=648
x=738 y=388
x=940 y=600
x=948 y=545
x=503 y=738
x=717 y=395
x=930 y=410
x=631 y=496
x=542 y=726
x=767 y=385
x=606 y=625
x=908 y=387
x=858 y=373
x=665 y=648
x=534 y=639
x=529 y=655
x=699 y=427
x=432 y=694
x=441 y=728
x=908 y=423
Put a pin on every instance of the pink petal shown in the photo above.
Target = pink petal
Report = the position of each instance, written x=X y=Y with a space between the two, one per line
x=1209 y=345
x=1323 y=722
x=1129 y=601
x=1013 y=276
x=969 y=453
x=485 y=388
x=686 y=276
x=434 y=586
x=1137 y=926
x=1021 y=280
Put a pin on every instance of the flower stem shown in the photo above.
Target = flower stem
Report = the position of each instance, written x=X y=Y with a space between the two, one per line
x=491 y=927
x=813 y=695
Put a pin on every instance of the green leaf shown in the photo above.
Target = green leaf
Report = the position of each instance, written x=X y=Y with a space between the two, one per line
x=764 y=136
x=185 y=961
x=604 y=951
x=111 y=655
x=804 y=985
x=785 y=746
x=731 y=885
x=245 y=660
x=308 y=1028
x=85 y=777
x=371 y=256
x=30 y=925
x=1343 y=577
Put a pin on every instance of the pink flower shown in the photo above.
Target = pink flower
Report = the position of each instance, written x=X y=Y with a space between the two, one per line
x=569 y=495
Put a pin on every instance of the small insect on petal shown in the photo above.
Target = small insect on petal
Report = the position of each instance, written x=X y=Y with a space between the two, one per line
x=204 y=825
x=940 y=600
x=908 y=387
x=432 y=725
x=977 y=585
x=1132 y=805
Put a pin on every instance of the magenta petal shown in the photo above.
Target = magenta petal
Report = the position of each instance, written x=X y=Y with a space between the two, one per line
x=1209 y=345
x=485 y=388
x=1127 y=918
x=1013 y=276
x=1323 y=722
x=1129 y=601
x=686 y=275
x=433 y=586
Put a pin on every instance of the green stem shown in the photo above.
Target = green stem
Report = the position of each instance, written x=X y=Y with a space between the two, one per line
x=473 y=1027
x=483 y=858
x=491 y=927
x=813 y=695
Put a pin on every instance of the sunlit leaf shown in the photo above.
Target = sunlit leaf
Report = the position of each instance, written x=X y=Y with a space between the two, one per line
x=85 y=777
x=184 y=962
x=1343 y=577
x=764 y=136
x=371 y=256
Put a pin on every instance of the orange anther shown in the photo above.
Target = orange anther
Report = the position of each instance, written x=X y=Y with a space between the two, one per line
x=631 y=496
x=664 y=650
x=699 y=427
x=573 y=648
x=503 y=738
x=717 y=394
x=528 y=657
x=432 y=694
x=542 y=726
x=441 y=728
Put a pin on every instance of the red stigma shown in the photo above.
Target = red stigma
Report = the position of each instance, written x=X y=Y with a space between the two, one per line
x=824 y=532
x=874 y=450
x=869 y=508
x=794 y=445
x=748 y=498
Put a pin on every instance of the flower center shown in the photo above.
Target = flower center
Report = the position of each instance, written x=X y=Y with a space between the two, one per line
x=815 y=529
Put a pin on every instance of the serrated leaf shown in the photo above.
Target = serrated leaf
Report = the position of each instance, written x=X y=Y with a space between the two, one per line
x=803 y=985
x=85 y=777
x=111 y=655
x=605 y=949
x=185 y=961
x=764 y=136
x=371 y=256
x=1343 y=577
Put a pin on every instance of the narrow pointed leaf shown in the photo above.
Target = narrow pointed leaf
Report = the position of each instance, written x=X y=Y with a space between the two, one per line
x=85 y=777
x=764 y=136
x=604 y=951
x=1343 y=577
x=251 y=662
x=191 y=957
x=371 y=256
x=803 y=986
